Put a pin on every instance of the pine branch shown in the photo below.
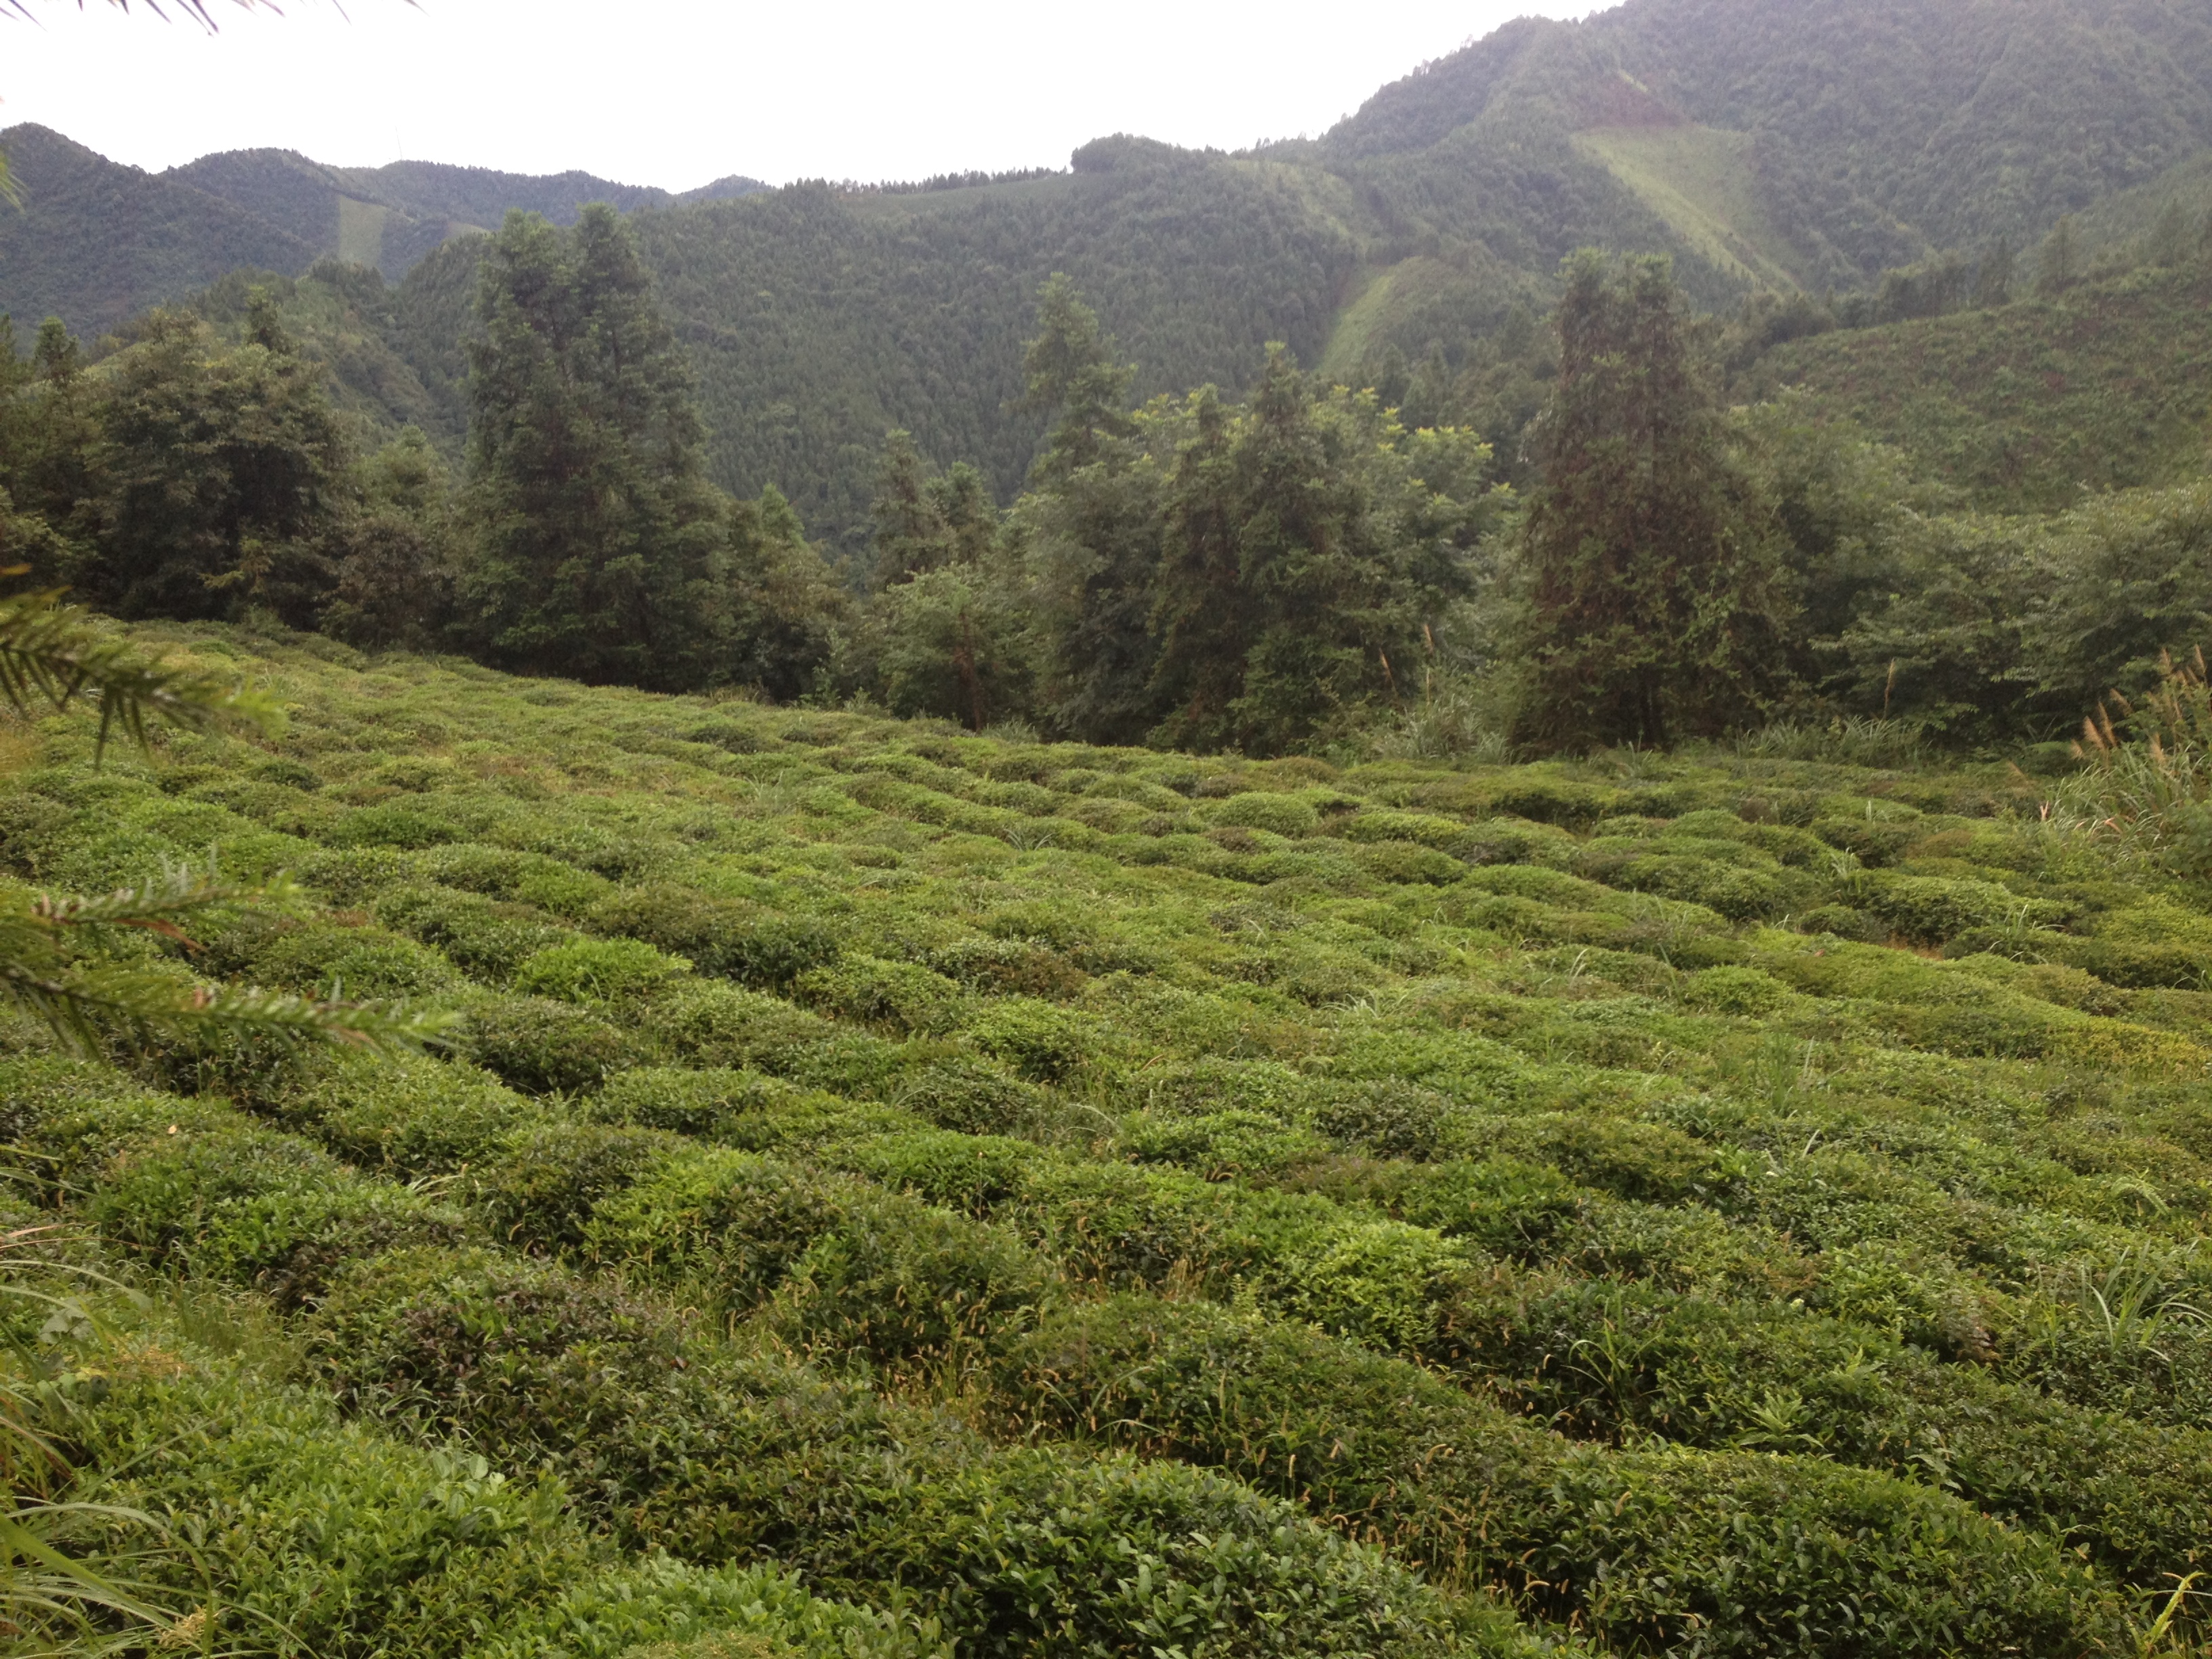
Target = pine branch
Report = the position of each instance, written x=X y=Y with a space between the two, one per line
x=195 y=9
x=54 y=653
x=153 y=906
x=84 y=1009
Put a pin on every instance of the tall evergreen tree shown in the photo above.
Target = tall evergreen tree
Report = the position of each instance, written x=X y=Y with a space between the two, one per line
x=1658 y=605
x=786 y=603
x=1201 y=605
x=1093 y=522
x=594 y=547
x=925 y=523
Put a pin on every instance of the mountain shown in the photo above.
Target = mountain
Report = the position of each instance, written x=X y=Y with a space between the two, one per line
x=1765 y=144
x=94 y=242
x=97 y=242
x=2028 y=407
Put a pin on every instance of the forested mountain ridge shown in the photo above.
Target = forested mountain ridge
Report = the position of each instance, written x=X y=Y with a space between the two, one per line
x=1810 y=146
x=96 y=242
x=1879 y=126
x=93 y=241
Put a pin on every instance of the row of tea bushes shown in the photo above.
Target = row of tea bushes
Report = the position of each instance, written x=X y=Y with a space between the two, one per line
x=1822 y=1150
x=661 y=1438
x=526 y=1360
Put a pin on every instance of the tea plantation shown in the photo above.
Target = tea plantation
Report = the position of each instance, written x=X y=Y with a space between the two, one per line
x=887 y=1191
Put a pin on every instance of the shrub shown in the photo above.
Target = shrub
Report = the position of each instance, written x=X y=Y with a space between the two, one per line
x=488 y=939
x=706 y=1103
x=722 y=936
x=1281 y=815
x=395 y=823
x=544 y=1193
x=973 y=1173
x=902 y=995
x=412 y=1115
x=529 y=879
x=1039 y=1550
x=1928 y=910
x=544 y=1046
x=323 y=959
x=310 y=1536
x=1389 y=1118
x=1221 y=1145
x=1735 y=991
x=597 y=970
x=1729 y=1374
x=972 y=1098
x=1034 y=1040
x=247 y=1207
x=514 y=1354
x=665 y=1436
x=1503 y=1206
x=733 y=1224
x=904 y=1283
x=1825 y=1560
x=664 y=1608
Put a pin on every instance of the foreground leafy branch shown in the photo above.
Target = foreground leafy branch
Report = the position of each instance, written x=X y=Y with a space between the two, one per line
x=55 y=653
x=84 y=1004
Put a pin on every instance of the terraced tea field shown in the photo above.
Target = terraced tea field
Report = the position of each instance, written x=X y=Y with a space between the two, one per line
x=888 y=1190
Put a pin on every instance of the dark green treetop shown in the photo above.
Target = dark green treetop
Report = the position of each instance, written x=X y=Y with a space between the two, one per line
x=1659 y=608
x=595 y=546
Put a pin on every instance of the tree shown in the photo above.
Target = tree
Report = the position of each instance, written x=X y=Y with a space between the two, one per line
x=1092 y=524
x=1311 y=542
x=1201 y=604
x=1657 y=606
x=218 y=473
x=1069 y=367
x=592 y=545
x=957 y=644
x=786 y=603
x=2058 y=265
x=925 y=523
x=395 y=582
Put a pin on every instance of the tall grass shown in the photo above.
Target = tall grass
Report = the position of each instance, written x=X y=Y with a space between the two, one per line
x=2147 y=783
x=68 y=1569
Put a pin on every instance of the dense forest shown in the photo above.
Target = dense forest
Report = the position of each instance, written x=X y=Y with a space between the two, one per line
x=1814 y=149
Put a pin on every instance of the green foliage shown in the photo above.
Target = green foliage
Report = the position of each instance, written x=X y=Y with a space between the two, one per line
x=1600 y=1232
x=594 y=540
x=542 y=1046
x=219 y=470
x=1656 y=610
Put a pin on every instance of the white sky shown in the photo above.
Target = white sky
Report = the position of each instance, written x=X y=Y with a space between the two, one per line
x=676 y=93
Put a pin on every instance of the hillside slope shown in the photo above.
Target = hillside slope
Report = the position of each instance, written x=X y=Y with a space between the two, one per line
x=1814 y=144
x=850 y=1130
x=2105 y=387
x=94 y=242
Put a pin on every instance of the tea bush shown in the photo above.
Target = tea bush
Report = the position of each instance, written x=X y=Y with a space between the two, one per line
x=1114 y=1202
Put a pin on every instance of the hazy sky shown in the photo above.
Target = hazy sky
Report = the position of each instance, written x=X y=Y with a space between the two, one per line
x=678 y=92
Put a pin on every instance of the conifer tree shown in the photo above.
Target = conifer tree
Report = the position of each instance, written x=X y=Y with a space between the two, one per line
x=2057 y=266
x=593 y=545
x=909 y=534
x=1657 y=606
x=1200 y=609
x=1093 y=519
